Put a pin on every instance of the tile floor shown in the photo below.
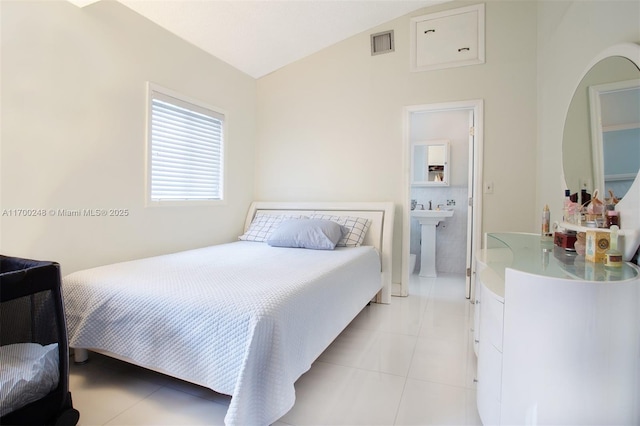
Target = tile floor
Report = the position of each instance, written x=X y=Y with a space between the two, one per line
x=407 y=363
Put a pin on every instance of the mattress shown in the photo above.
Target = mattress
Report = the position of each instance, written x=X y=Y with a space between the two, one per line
x=244 y=319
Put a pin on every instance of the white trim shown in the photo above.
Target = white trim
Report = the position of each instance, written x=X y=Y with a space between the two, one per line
x=619 y=127
x=477 y=106
x=180 y=99
x=621 y=176
x=595 y=110
x=151 y=86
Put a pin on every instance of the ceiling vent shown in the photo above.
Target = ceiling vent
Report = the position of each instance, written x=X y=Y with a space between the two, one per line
x=382 y=43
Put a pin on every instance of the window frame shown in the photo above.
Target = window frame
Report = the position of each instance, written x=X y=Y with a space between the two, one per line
x=196 y=105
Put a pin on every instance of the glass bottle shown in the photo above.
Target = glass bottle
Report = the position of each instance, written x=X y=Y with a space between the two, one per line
x=546 y=216
x=613 y=218
x=566 y=217
x=613 y=257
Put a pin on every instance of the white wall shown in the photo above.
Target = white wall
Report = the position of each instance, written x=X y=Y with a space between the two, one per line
x=73 y=133
x=330 y=125
x=570 y=35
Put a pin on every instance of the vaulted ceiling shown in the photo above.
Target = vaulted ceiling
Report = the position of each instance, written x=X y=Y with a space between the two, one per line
x=260 y=36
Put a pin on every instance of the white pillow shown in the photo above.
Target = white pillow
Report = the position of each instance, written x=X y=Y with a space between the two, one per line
x=357 y=228
x=316 y=234
x=263 y=224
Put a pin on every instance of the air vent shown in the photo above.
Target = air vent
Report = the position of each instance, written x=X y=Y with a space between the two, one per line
x=382 y=43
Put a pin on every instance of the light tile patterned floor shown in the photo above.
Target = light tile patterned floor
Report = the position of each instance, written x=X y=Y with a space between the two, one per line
x=408 y=363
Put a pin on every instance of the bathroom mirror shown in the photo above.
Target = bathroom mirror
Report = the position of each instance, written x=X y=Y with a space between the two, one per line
x=601 y=141
x=430 y=163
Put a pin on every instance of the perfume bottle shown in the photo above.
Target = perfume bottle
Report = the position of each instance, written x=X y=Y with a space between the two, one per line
x=613 y=218
x=546 y=218
x=613 y=257
x=566 y=215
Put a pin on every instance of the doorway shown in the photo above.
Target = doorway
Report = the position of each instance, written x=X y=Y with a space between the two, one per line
x=461 y=122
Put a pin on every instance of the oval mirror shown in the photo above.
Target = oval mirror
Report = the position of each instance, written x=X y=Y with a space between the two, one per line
x=601 y=140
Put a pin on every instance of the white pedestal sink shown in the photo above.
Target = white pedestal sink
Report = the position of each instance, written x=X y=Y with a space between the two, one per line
x=428 y=220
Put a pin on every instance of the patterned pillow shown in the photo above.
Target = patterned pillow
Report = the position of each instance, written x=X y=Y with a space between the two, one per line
x=263 y=224
x=357 y=228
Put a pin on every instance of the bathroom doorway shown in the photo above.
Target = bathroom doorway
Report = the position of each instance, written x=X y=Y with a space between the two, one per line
x=457 y=241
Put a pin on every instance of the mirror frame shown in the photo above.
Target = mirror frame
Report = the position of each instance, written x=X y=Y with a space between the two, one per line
x=445 y=172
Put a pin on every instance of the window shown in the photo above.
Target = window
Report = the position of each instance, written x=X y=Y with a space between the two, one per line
x=185 y=149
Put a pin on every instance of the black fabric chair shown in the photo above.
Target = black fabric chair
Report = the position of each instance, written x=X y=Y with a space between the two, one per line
x=31 y=311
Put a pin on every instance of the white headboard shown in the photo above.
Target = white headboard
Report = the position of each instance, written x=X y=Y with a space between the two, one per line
x=379 y=235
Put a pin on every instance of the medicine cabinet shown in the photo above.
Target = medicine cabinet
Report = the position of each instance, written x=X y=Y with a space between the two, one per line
x=430 y=163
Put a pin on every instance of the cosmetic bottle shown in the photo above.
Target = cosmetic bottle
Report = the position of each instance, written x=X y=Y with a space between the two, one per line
x=613 y=257
x=566 y=212
x=546 y=219
x=613 y=218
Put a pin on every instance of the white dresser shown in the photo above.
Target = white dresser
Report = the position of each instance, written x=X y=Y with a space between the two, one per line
x=558 y=338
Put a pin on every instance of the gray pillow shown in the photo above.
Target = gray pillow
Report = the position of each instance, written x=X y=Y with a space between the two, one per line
x=318 y=234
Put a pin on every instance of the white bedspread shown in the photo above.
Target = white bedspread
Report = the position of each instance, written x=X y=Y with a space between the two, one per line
x=244 y=319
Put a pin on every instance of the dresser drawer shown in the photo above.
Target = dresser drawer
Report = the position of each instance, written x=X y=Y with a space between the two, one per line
x=489 y=385
x=492 y=318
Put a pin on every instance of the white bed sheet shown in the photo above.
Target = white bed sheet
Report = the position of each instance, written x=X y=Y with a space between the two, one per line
x=244 y=319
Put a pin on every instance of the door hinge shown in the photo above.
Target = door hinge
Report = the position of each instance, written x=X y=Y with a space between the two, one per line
x=470 y=201
x=468 y=272
x=472 y=131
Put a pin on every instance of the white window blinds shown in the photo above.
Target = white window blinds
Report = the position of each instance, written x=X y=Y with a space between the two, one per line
x=186 y=149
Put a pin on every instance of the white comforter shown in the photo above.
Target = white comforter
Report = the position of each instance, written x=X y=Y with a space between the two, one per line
x=244 y=319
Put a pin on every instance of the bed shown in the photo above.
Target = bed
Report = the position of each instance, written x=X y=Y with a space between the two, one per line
x=246 y=318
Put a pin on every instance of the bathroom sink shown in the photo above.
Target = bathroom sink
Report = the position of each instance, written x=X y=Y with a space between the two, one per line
x=429 y=219
x=440 y=214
